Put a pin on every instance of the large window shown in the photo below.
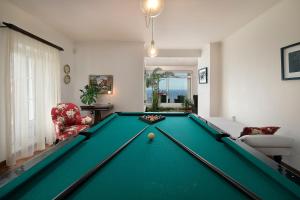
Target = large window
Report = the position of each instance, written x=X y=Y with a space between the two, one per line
x=30 y=87
x=172 y=89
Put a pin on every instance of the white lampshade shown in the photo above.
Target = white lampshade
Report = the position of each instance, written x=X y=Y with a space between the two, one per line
x=152 y=50
x=152 y=8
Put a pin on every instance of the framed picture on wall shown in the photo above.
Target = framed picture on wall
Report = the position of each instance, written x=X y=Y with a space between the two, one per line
x=202 y=73
x=290 y=62
x=105 y=82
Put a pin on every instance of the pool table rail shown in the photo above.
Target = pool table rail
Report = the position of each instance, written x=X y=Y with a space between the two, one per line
x=56 y=154
x=260 y=162
x=36 y=165
x=153 y=113
x=218 y=171
x=264 y=163
x=75 y=185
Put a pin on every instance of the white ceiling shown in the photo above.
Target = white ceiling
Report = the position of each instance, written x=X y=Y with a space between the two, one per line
x=171 y=61
x=184 y=24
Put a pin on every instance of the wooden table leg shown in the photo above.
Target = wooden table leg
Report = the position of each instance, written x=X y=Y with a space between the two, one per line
x=97 y=116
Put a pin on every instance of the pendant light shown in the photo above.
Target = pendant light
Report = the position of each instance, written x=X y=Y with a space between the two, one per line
x=152 y=50
x=151 y=9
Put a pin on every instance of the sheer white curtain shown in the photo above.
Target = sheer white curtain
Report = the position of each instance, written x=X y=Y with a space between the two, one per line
x=31 y=88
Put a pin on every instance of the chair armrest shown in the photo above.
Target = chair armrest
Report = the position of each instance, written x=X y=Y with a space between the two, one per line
x=268 y=141
x=59 y=126
x=86 y=120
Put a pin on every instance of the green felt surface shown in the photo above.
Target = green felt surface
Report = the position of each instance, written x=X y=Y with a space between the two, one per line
x=233 y=146
x=157 y=169
x=230 y=160
x=9 y=187
x=60 y=174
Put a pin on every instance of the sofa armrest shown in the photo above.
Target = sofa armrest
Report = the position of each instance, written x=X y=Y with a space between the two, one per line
x=267 y=141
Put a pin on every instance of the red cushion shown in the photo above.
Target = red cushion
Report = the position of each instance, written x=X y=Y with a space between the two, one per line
x=259 y=130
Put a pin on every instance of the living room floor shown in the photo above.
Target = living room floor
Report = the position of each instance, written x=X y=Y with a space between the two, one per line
x=5 y=169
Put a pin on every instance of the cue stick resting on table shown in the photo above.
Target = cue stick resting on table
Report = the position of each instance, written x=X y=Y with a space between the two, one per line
x=69 y=190
x=211 y=166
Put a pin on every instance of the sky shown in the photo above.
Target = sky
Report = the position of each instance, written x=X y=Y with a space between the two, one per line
x=174 y=83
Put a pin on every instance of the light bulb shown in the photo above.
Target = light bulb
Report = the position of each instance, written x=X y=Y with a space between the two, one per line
x=152 y=50
x=152 y=4
x=152 y=8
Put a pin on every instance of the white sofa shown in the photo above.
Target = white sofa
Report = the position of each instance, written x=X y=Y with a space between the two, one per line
x=276 y=145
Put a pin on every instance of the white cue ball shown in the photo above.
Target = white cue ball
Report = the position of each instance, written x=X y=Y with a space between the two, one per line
x=151 y=136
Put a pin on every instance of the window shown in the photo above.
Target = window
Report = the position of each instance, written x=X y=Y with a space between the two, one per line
x=172 y=89
x=30 y=90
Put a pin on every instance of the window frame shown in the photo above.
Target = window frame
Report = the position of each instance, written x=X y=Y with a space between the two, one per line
x=171 y=105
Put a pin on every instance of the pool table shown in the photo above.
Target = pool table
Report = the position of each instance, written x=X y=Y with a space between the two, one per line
x=187 y=159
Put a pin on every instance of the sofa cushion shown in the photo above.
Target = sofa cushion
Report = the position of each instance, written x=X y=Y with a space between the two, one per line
x=234 y=128
x=275 y=151
x=259 y=131
x=267 y=141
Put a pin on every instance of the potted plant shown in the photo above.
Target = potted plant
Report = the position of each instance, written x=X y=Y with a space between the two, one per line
x=152 y=80
x=187 y=104
x=89 y=94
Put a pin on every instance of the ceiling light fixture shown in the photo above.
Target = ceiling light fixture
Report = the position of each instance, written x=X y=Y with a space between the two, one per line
x=151 y=9
x=152 y=50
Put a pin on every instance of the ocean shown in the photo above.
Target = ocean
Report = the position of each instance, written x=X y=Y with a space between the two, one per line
x=172 y=94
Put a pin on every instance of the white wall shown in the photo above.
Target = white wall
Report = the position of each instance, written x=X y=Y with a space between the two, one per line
x=11 y=14
x=123 y=60
x=209 y=95
x=215 y=78
x=204 y=89
x=252 y=87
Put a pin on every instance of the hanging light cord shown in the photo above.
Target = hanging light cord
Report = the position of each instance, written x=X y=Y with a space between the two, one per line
x=152 y=28
x=148 y=18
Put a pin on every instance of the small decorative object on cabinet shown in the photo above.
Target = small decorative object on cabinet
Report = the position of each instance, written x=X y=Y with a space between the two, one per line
x=96 y=109
x=290 y=62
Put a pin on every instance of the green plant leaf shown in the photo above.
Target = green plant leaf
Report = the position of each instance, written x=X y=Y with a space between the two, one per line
x=89 y=94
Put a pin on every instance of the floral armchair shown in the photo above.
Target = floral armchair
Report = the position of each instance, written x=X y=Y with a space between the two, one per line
x=68 y=121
